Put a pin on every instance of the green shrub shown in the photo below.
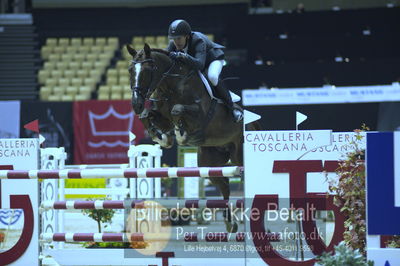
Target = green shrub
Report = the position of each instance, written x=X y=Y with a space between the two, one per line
x=343 y=256
x=350 y=195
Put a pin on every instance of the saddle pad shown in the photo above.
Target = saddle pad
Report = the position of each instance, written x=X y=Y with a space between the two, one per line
x=235 y=98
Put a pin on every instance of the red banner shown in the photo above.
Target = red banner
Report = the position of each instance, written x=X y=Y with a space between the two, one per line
x=101 y=131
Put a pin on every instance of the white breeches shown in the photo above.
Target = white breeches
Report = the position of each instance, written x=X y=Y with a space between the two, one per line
x=214 y=70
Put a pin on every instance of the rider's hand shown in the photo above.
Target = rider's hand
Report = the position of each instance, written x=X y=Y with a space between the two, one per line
x=177 y=55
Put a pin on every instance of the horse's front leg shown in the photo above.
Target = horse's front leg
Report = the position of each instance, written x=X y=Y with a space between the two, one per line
x=156 y=126
x=180 y=115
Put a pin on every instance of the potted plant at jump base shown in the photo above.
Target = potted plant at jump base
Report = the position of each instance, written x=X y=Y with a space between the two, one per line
x=102 y=216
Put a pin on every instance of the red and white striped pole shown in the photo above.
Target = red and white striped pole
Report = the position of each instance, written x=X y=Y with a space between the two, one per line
x=140 y=204
x=229 y=171
x=135 y=237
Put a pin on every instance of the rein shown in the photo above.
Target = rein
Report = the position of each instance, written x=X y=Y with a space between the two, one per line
x=165 y=75
x=150 y=90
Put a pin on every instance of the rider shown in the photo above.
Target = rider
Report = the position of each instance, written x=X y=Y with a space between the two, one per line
x=201 y=53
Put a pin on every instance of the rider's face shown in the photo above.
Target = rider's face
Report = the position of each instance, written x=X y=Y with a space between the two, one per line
x=180 y=42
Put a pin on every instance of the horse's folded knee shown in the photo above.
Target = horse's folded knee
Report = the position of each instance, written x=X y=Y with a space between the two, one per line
x=177 y=110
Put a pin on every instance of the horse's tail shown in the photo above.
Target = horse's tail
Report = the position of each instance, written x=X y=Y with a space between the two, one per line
x=254 y=126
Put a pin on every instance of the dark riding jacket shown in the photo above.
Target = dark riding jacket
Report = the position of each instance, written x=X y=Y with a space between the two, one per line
x=201 y=50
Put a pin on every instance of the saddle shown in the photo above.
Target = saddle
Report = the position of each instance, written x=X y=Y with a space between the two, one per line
x=210 y=91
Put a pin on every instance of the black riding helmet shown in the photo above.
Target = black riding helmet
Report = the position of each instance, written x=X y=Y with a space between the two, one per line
x=179 y=28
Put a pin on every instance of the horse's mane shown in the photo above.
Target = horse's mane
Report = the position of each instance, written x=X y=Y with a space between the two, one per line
x=161 y=51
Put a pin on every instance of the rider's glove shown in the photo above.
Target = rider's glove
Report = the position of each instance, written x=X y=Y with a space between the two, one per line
x=177 y=55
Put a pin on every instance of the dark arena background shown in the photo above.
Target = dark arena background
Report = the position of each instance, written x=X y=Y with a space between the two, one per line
x=268 y=45
x=64 y=71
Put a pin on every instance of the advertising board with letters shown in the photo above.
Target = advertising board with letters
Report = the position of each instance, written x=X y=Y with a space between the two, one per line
x=19 y=198
x=289 y=171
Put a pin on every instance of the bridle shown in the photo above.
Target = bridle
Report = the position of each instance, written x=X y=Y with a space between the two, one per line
x=149 y=90
x=139 y=90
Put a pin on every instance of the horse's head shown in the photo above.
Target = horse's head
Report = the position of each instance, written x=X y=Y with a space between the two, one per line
x=146 y=71
x=140 y=71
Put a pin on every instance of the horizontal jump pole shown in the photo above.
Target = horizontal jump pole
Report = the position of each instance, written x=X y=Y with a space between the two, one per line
x=90 y=205
x=139 y=204
x=229 y=171
x=140 y=237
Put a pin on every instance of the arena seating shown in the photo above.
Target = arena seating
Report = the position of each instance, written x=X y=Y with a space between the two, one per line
x=117 y=85
x=294 y=49
x=73 y=66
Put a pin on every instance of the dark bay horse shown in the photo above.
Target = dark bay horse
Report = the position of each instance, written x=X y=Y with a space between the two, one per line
x=180 y=105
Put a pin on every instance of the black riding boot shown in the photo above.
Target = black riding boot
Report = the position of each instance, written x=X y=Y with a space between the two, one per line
x=227 y=99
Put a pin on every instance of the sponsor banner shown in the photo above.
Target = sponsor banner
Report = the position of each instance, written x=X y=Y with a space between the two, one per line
x=383 y=196
x=288 y=173
x=85 y=183
x=19 y=154
x=383 y=183
x=323 y=95
x=101 y=130
x=9 y=119
x=55 y=123
x=269 y=146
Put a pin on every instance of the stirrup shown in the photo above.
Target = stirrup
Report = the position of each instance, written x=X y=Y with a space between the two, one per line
x=237 y=115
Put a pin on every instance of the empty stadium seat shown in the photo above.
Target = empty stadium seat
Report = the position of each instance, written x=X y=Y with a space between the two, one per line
x=96 y=49
x=123 y=80
x=57 y=74
x=71 y=90
x=84 y=90
x=72 y=49
x=127 y=96
x=116 y=89
x=68 y=73
x=82 y=73
x=45 y=51
x=63 y=82
x=58 y=91
x=43 y=75
x=116 y=96
x=100 y=41
x=82 y=97
x=54 y=57
x=103 y=96
x=49 y=65
x=76 y=42
x=150 y=40
x=77 y=82
x=51 y=42
x=67 y=98
x=54 y=98
x=63 y=42
x=59 y=49
x=104 y=89
x=88 y=41
x=44 y=93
